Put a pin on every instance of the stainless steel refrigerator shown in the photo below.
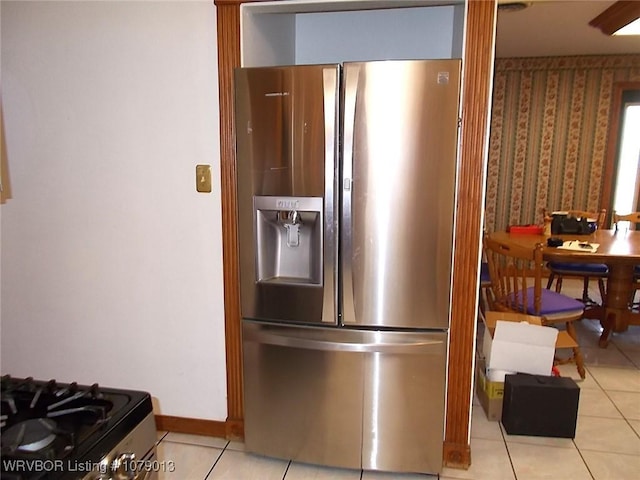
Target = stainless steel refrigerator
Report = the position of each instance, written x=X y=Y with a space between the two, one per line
x=346 y=191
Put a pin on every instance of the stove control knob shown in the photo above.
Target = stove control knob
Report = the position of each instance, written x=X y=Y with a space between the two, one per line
x=124 y=466
x=101 y=471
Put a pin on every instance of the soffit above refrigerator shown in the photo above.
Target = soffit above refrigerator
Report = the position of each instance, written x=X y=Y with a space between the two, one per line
x=306 y=6
x=297 y=33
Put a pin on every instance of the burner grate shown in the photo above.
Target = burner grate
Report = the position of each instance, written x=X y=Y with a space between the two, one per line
x=30 y=435
x=69 y=424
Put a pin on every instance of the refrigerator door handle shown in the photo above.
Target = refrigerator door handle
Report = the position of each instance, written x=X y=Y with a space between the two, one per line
x=290 y=339
x=351 y=74
x=330 y=99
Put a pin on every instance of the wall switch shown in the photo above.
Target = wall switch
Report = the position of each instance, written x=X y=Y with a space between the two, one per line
x=203 y=178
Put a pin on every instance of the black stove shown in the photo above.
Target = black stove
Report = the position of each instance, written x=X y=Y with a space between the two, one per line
x=56 y=431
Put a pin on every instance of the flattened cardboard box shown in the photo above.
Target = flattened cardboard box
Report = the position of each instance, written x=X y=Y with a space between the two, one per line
x=489 y=393
x=522 y=347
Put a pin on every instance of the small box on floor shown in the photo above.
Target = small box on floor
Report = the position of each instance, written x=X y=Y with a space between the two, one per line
x=540 y=406
x=489 y=393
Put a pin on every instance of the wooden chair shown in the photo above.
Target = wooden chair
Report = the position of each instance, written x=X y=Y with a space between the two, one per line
x=584 y=271
x=634 y=220
x=486 y=300
x=516 y=284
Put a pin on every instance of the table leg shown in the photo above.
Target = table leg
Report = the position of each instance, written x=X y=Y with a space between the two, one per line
x=617 y=301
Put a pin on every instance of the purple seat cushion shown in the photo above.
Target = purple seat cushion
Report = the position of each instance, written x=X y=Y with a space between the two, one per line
x=552 y=303
x=578 y=268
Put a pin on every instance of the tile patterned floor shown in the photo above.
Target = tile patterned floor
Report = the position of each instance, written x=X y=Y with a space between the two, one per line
x=606 y=446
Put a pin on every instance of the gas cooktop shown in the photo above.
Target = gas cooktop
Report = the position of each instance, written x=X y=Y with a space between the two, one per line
x=52 y=430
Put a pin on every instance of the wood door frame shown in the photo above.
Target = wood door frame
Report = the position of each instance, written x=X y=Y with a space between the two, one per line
x=228 y=44
x=613 y=134
x=476 y=107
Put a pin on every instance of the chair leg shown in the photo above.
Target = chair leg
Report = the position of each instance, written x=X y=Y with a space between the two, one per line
x=481 y=301
x=488 y=294
x=484 y=297
x=603 y=291
x=585 y=291
x=559 y=284
x=577 y=353
x=579 y=359
x=552 y=276
x=586 y=299
x=571 y=330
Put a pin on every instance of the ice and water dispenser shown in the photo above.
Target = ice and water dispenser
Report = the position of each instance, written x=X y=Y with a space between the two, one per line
x=288 y=240
x=285 y=276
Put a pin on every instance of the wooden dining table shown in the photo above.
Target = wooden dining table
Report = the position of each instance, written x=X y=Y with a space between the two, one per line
x=619 y=250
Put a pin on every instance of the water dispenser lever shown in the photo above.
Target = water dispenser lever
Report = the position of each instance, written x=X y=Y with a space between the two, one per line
x=293 y=234
x=293 y=228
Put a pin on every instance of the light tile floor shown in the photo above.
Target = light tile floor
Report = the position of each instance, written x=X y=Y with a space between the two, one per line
x=606 y=446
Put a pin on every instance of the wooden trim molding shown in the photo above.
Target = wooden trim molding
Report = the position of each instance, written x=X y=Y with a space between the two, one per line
x=228 y=24
x=237 y=3
x=228 y=43
x=478 y=72
x=474 y=140
x=194 y=426
x=606 y=199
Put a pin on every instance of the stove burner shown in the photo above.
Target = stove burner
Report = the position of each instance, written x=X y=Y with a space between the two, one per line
x=30 y=435
x=64 y=423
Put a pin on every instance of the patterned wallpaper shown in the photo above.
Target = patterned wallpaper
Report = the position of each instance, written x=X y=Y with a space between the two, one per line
x=548 y=136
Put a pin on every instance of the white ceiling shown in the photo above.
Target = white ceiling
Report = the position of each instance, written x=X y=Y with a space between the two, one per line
x=553 y=27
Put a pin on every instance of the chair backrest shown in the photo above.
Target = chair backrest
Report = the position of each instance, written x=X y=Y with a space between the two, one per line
x=516 y=276
x=633 y=218
x=600 y=217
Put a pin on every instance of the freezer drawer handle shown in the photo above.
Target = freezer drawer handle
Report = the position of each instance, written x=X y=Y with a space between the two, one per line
x=294 y=341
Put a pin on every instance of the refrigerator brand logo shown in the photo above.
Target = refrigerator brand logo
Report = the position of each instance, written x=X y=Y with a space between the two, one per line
x=443 y=78
x=277 y=94
x=284 y=204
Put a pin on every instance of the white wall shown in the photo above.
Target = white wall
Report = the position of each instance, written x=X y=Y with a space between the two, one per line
x=111 y=262
x=288 y=38
x=404 y=33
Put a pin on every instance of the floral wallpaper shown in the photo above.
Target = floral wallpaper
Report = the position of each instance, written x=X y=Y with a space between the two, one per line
x=548 y=138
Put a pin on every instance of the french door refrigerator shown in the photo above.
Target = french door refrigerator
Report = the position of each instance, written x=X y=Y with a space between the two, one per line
x=346 y=189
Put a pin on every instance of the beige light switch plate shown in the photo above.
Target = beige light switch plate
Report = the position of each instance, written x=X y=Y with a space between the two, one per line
x=203 y=178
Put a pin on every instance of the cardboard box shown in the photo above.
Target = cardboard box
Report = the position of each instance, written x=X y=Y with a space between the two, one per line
x=490 y=383
x=490 y=319
x=518 y=346
x=489 y=393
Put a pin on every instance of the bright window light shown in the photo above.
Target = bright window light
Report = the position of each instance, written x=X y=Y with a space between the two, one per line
x=632 y=28
x=625 y=199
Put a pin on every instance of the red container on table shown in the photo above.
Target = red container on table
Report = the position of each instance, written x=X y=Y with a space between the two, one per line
x=526 y=229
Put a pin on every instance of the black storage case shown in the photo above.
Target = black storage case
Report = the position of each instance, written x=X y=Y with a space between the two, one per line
x=540 y=406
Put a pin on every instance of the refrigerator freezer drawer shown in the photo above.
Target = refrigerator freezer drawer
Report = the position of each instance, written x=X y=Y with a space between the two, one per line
x=301 y=403
x=345 y=398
